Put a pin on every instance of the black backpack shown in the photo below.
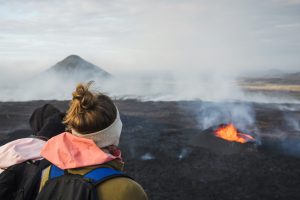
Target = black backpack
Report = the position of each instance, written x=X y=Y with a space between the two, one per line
x=21 y=181
x=62 y=185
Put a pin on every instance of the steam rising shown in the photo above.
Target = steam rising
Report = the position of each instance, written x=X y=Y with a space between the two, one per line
x=291 y=117
x=240 y=114
x=59 y=81
x=184 y=153
x=170 y=86
x=147 y=156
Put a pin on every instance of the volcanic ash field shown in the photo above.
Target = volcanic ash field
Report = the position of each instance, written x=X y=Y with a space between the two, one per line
x=171 y=148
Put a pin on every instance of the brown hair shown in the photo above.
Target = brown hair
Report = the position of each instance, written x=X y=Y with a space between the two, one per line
x=89 y=111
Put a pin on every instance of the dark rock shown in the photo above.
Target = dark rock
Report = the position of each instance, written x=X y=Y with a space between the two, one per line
x=186 y=163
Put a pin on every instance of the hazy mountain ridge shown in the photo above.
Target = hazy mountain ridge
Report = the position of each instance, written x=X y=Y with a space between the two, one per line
x=57 y=82
x=274 y=78
x=74 y=64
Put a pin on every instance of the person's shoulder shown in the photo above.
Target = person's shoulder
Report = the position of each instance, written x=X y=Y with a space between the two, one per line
x=121 y=188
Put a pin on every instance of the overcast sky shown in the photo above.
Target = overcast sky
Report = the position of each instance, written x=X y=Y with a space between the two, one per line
x=123 y=35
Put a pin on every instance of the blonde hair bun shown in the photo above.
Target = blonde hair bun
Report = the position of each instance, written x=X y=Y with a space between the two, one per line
x=89 y=111
x=85 y=98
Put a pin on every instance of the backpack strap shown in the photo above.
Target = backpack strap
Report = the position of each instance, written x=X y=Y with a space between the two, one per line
x=95 y=176
x=55 y=172
x=100 y=175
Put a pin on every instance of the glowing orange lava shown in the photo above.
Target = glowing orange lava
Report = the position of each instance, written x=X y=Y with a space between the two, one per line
x=230 y=133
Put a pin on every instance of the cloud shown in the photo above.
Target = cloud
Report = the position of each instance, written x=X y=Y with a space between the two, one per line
x=229 y=36
x=287 y=2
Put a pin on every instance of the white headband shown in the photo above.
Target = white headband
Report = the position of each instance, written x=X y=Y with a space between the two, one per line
x=106 y=137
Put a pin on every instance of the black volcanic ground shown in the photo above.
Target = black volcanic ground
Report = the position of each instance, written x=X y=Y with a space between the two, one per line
x=172 y=158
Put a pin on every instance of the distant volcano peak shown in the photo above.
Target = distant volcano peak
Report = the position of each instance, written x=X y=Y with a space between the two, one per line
x=72 y=58
x=74 y=63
